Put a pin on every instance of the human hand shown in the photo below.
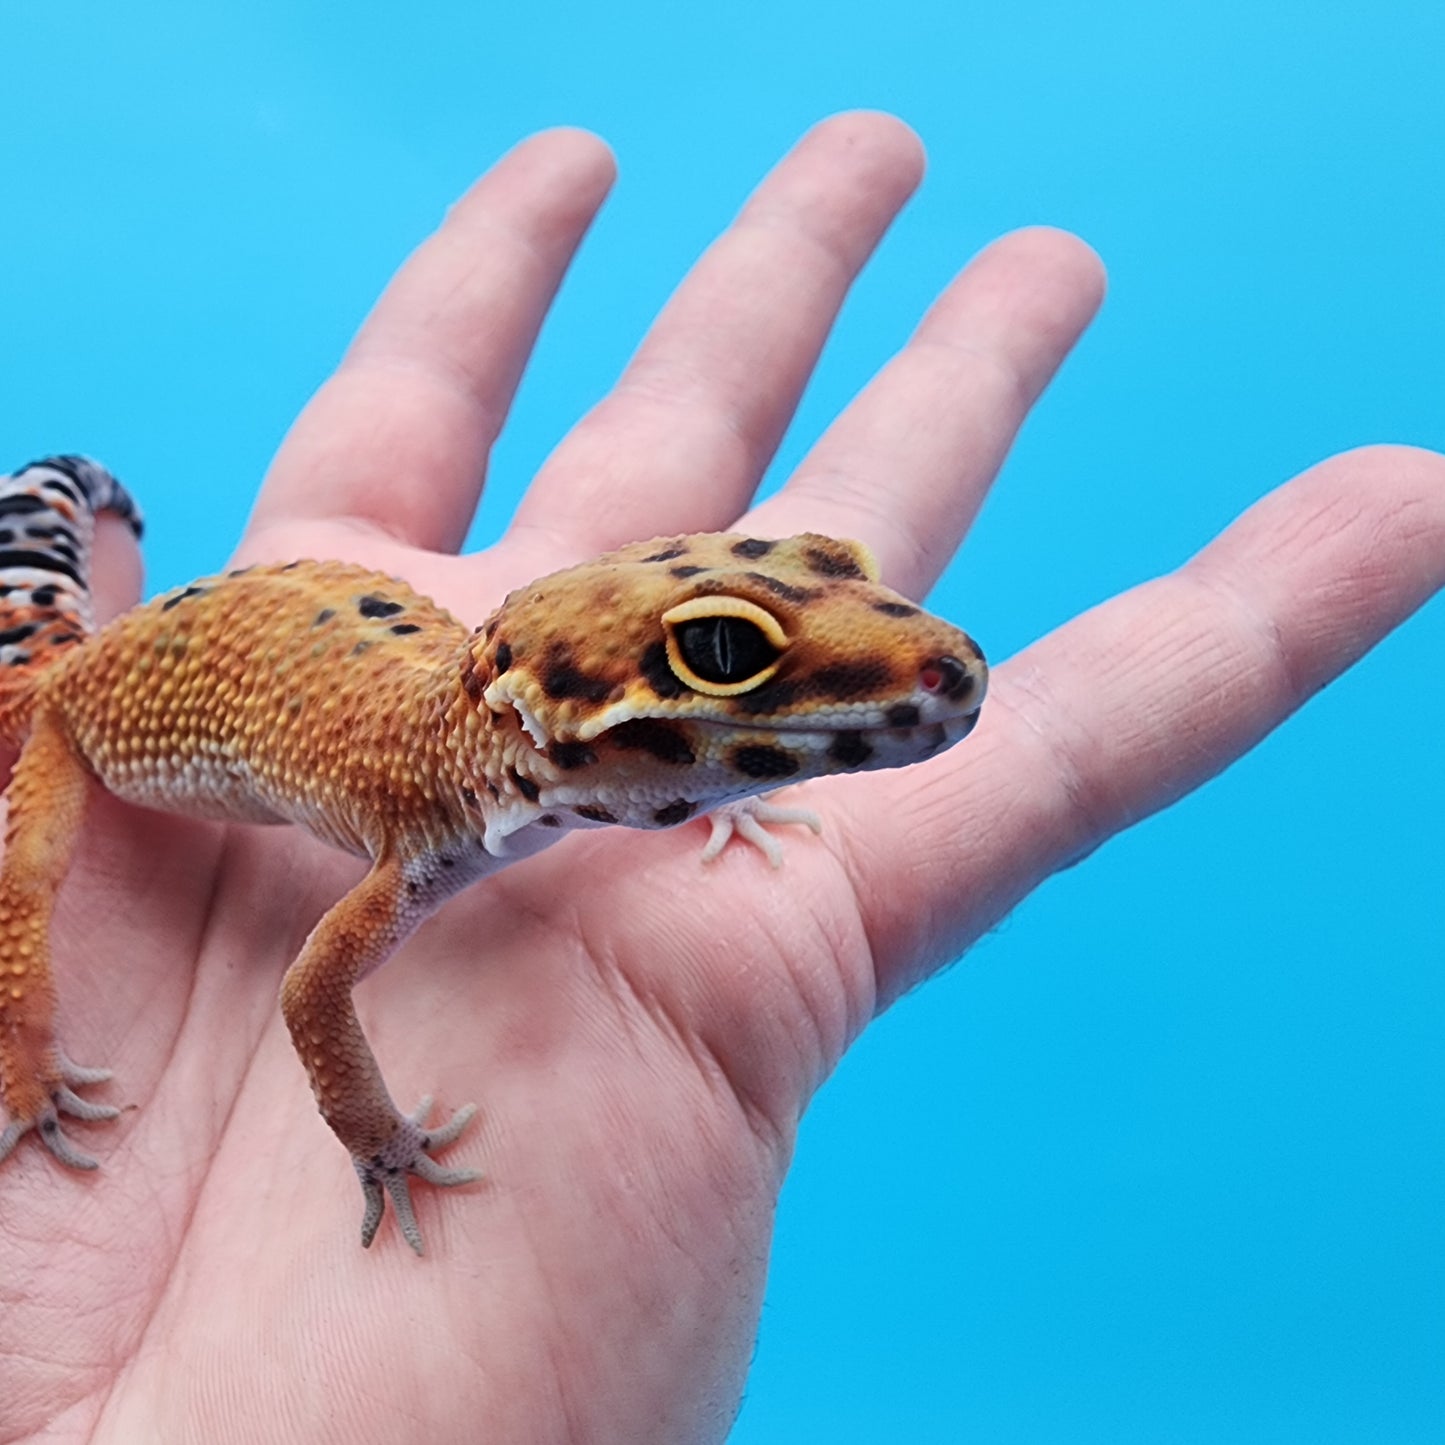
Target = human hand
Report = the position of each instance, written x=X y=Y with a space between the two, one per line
x=642 y=1033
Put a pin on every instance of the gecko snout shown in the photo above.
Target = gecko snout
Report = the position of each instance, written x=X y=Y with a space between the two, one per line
x=955 y=679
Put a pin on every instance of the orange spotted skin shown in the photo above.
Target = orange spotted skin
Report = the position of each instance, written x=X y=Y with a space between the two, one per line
x=669 y=679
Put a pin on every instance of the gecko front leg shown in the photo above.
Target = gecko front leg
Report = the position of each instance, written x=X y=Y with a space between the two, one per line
x=355 y=937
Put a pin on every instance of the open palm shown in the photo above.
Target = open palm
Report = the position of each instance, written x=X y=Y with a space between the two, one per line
x=641 y=1033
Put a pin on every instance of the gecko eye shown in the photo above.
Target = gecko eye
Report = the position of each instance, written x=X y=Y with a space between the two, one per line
x=723 y=646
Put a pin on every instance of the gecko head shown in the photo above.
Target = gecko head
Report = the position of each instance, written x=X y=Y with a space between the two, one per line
x=750 y=660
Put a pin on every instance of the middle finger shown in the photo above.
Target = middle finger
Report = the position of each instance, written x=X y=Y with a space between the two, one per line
x=685 y=437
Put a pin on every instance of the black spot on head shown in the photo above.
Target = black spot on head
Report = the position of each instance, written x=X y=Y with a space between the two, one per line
x=563 y=679
x=17 y=634
x=752 y=548
x=902 y=715
x=758 y=760
x=325 y=615
x=852 y=679
x=647 y=735
x=525 y=786
x=181 y=597
x=667 y=554
x=373 y=606
x=674 y=813
x=402 y=628
x=658 y=673
x=850 y=750
x=504 y=657
x=779 y=588
x=683 y=573
x=833 y=564
x=550 y=820
x=594 y=814
x=896 y=609
x=769 y=699
x=568 y=756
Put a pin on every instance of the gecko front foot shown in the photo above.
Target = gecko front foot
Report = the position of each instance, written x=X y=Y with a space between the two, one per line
x=59 y=1098
x=745 y=818
x=407 y=1153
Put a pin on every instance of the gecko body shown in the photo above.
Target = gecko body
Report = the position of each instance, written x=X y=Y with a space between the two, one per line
x=667 y=680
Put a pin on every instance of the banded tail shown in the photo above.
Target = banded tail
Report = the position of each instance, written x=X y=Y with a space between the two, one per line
x=47 y=522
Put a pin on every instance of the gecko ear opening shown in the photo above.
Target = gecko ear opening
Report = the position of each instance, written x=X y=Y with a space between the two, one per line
x=723 y=646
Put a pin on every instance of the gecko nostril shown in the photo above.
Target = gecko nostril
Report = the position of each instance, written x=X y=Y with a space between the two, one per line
x=947 y=675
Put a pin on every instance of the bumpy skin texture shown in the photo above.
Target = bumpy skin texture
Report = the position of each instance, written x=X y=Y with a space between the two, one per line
x=655 y=684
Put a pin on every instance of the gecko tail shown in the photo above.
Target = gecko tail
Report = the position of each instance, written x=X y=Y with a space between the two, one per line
x=47 y=523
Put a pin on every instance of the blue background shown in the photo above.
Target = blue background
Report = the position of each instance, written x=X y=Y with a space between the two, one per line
x=1162 y=1160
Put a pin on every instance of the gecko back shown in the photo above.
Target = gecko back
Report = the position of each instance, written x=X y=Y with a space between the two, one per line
x=47 y=523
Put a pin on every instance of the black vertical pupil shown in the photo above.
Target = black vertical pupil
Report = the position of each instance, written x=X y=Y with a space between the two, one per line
x=724 y=649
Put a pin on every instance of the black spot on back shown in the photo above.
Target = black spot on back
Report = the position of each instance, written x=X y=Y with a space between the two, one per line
x=896 y=609
x=667 y=554
x=17 y=634
x=758 y=760
x=241 y=571
x=674 y=813
x=325 y=615
x=658 y=673
x=682 y=573
x=568 y=756
x=647 y=735
x=402 y=628
x=785 y=590
x=850 y=750
x=833 y=564
x=550 y=820
x=359 y=648
x=43 y=596
x=7 y=536
x=373 y=606
x=469 y=797
x=902 y=715
x=504 y=657
x=752 y=548
x=525 y=786
x=594 y=814
x=181 y=597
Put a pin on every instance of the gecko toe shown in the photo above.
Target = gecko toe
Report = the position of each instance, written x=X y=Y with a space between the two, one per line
x=385 y=1174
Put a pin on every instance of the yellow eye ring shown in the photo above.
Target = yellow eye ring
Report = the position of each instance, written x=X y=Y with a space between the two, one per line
x=741 y=649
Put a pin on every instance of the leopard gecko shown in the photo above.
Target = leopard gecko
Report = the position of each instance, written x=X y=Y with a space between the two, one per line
x=669 y=679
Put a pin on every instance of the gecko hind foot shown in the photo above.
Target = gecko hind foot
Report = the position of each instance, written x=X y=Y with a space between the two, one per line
x=62 y=1100
x=385 y=1173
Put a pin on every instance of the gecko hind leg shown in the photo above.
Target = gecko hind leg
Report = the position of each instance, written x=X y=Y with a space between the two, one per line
x=46 y=799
